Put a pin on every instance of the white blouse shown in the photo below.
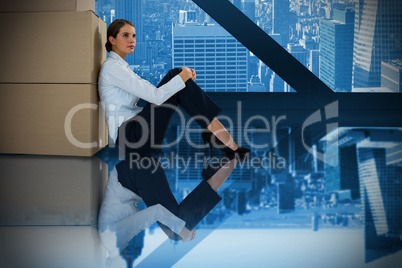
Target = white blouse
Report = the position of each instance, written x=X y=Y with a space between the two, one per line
x=120 y=89
x=120 y=219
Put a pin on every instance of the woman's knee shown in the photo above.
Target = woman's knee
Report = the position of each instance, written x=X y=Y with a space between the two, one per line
x=172 y=73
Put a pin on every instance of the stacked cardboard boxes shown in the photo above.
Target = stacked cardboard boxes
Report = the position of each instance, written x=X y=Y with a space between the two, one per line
x=50 y=65
x=46 y=5
x=50 y=190
x=50 y=112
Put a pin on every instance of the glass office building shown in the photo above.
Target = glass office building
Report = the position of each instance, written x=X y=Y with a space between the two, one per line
x=133 y=10
x=336 y=50
x=280 y=20
x=378 y=31
x=391 y=75
x=220 y=60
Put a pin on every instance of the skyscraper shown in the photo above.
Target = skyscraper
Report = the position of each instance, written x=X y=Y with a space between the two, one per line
x=272 y=81
x=285 y=192
x=314 y=62
x=376 y=155
x=378 y=35
x=301 y=54
x=391 y=75
x=133 y=11
x=280 y=20
x=220 y=60
x=343 y=176
x=376 y=246
x=336 y=50
x=248 y=8
x=276 y=84
x=382 y=198
x=381 y=182
x=105 y=10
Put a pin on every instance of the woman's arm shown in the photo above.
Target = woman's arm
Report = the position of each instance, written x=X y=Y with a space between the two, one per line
x=127 y=80
x=117 y=234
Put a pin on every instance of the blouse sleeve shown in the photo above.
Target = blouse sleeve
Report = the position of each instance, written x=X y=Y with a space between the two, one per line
x=127 y=80
x=117 y=235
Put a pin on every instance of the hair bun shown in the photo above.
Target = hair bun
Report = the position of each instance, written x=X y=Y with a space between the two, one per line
x=108 y=46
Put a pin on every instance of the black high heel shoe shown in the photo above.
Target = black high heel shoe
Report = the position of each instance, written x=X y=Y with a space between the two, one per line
x=240 y=153
x=214 y=166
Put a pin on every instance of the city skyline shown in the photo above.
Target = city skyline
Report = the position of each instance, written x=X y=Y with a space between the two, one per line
x=308 y=184
x=291 y=23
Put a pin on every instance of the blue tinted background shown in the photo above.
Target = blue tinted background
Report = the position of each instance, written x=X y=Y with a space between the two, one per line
x=343 y=210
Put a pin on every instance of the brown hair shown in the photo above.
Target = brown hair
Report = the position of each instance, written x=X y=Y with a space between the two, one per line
x=114 y=29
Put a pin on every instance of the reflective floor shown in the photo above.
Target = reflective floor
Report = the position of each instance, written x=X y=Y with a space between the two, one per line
x=225 y=246
x=49 y=213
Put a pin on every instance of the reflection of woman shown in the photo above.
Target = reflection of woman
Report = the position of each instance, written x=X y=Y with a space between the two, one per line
x=120 y=219
x=121 y=224
x=120 y=90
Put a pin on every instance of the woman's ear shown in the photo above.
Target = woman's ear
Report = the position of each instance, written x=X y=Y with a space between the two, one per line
x=112 y=40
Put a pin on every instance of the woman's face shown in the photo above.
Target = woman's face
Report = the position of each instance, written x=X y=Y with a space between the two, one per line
x=124 y=43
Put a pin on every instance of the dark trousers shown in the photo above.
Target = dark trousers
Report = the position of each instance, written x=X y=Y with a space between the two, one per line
x=150 y=182
x=192 y=99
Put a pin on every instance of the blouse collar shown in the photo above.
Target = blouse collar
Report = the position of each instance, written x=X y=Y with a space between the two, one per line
x=116 y=56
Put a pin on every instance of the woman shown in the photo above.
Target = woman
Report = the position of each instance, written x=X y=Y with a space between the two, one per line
x=142 y=131
x=120 y=89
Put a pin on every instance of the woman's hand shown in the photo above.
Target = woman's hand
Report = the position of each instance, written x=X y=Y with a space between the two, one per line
x=187 y=73
x=194 y=74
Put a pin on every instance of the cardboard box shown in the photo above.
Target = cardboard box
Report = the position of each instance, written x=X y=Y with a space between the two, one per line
x=51 y=190
x=52 y=247
x=46 y=5
x=51 y=119
x=52 y=47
